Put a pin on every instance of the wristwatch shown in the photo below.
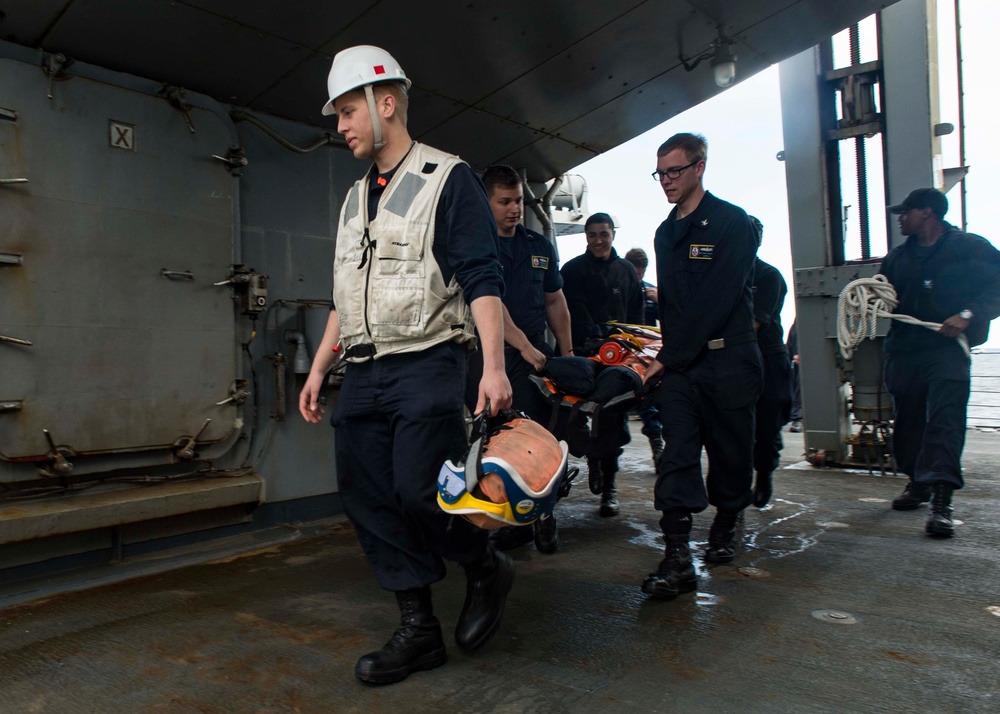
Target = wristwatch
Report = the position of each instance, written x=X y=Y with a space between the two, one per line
x=965 y=314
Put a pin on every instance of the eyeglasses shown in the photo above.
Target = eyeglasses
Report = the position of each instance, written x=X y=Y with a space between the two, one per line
x=672 y=173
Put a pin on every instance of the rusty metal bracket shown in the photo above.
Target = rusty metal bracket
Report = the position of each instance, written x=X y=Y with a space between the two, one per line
x=184 y=446
x=235 y=160
x=58 y=464
x=175 y=96
x=238 y=393
x=55 y=69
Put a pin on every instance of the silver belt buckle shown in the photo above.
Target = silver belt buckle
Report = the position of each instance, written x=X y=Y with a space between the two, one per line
x=717 y=344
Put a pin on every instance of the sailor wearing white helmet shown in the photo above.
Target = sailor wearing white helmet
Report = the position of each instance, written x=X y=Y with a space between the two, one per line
x=416 y=270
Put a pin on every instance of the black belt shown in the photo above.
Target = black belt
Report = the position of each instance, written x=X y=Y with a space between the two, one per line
x=363 y=350
x=732 y=341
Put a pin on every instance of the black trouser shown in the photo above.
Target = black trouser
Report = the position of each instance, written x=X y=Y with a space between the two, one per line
x=397 y=420
x=651 y=423
x=712 y=404
x=608 y=434
x=773 y=408
x=930 y=395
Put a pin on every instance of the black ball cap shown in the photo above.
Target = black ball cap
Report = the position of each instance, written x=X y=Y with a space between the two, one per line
x=923 y=198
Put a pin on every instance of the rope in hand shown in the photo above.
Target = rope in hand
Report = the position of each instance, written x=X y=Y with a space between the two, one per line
x=861 y=303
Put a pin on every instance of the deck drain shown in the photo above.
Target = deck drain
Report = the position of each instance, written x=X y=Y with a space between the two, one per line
x=835 y=617
x=753 y=572
x=994 y=610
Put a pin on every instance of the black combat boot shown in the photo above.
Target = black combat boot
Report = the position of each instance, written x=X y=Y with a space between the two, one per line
x=913 y=496
x=609 y=496
x=656 y=446
x=762 y=489
x=546 y=534
x=596 y=475
x=675 y=574
x=417 y=644
x=510 y=537
x=939 y=521
x=488 y=581
x=720 y=538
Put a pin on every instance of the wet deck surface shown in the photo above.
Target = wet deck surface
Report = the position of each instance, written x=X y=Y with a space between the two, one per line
x=278 y=628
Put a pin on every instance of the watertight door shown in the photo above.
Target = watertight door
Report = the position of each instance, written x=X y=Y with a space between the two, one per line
x=108 y=253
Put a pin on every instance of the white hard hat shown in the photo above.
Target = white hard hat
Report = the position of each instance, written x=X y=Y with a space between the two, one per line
x=358 y=67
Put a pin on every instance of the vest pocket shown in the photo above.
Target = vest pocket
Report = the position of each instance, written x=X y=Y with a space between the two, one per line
x=398 y=279
x=400 y=252
x=396 y=302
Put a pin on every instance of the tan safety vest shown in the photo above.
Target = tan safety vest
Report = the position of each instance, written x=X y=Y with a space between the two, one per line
x=387 y=286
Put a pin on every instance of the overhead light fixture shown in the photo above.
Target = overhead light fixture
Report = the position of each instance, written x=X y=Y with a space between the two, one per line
x=723 y=60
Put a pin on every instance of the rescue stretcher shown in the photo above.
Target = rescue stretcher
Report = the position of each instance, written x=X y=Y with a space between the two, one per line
x=610 y=378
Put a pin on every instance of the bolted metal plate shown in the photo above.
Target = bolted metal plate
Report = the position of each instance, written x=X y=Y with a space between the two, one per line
x=120 y=359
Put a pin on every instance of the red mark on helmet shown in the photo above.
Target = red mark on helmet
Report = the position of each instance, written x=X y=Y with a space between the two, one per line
x=379 y=69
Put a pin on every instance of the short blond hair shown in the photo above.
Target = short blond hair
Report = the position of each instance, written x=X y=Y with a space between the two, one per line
x=398 y=93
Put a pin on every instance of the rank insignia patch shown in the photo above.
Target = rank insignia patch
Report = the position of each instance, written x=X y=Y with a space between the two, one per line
x=701 y=252
x=540 y=261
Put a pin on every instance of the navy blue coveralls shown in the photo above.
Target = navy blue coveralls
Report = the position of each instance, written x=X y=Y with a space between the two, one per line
x=704 y=269
x=599 y=291
x=530 y=270
x=775 y=402
x=400 y=417
x=927 y=373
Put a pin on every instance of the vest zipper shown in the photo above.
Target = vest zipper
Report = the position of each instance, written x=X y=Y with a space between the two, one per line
x=367 y=261
x=368 y=277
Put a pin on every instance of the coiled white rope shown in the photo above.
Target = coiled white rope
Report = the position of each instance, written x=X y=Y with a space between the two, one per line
x=861 y=303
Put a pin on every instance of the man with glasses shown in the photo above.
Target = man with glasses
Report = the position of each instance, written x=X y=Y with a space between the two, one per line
x=710 y=366
x=600 y=287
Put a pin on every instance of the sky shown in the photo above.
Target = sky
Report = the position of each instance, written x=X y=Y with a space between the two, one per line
x=743 y=128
